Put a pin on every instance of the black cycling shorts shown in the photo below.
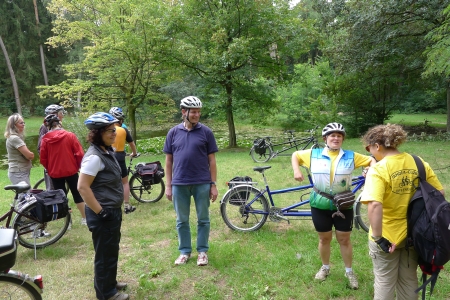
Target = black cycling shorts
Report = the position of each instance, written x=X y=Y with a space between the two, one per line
x=120 y=156
x=324 y=222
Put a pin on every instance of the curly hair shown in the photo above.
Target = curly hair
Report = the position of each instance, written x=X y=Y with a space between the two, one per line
x=95 y=136
x=388 y=136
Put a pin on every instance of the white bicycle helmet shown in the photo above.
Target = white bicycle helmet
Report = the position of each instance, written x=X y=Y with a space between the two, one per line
x=190 y=102
x=53 y=109
x=99 y=120
x=117 y=113
x=333 y=127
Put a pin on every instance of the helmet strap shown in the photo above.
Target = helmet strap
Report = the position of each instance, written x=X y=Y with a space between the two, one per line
x=187 y=119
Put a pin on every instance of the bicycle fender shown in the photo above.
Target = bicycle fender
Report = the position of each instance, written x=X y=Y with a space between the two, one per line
x=230 y=190
x=26 y=204
x=23 y=277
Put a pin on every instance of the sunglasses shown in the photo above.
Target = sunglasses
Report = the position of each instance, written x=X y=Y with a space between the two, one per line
x=368 y=148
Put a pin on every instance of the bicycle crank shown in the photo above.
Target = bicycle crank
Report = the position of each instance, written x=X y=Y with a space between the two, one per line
x=276 y=215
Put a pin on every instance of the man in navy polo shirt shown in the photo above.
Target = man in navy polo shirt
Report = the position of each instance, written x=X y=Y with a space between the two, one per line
x=191 y=170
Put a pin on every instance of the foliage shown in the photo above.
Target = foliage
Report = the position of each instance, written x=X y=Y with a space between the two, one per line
x=232 y=44
x=121 y=64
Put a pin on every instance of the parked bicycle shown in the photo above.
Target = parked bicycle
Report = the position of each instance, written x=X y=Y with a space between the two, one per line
x=40 y=185
x=14 y=284
x=246 y=208
x=146 y=186
x=263 y=148
x=32 y=233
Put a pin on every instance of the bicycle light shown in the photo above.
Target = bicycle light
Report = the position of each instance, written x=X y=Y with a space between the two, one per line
x=39 y=281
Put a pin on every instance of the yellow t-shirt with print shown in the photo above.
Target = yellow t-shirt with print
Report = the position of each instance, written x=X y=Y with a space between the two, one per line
x=390 y=182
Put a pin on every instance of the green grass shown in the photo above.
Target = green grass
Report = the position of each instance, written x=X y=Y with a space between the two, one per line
x=277 y=262
x=435 y=120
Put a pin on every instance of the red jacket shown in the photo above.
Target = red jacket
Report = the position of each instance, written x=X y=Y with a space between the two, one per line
x=61 y=153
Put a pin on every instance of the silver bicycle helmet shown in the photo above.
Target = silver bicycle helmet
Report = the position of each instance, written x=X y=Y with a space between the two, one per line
x=190 y=102
x=117 y=113
x=53 y=109
x=99 y=120
x=333 y=127
x=50 y=120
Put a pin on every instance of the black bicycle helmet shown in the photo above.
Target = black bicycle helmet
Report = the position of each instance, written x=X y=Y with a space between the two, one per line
x=99 y=120
x=190 y=102
x=333 y=127
x=117 y=113
x=53 y=109
x=50 y=120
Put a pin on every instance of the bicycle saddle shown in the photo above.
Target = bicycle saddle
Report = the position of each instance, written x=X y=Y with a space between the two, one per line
x=261 y=169
x=18 y=188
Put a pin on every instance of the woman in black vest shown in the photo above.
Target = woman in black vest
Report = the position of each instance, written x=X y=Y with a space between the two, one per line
x=100 y=185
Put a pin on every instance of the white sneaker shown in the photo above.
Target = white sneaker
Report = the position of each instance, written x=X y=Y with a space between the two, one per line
x=182 y=259
x=353 y=281
x=202 y=259
x=322 y=274
x=83 y=221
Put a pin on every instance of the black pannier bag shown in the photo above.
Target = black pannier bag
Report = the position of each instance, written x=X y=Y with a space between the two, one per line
x=151 y=172
x=241 y=197
x=260 y=146
x=51 y=205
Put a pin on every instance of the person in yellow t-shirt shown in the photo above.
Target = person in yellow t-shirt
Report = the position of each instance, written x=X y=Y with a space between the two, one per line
x=331 y=169
x=388 y=190
x=123 y=136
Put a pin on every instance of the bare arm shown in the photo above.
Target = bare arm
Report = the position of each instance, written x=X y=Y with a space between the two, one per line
x=213 y=193
x=133 y=148
x=26 y=153
x=168 y=168
x=84 y=187
x=296 y=167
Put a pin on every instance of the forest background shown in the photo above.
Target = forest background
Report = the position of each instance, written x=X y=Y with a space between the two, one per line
x=261 y=62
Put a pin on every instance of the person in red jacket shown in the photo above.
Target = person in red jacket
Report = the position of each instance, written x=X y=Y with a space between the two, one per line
x=61 y=154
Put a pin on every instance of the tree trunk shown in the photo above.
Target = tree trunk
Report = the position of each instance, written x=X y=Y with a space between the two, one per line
x=41 y=49
x=230 y=119
x=448 y=105
x=132 y=118
x=13 y=77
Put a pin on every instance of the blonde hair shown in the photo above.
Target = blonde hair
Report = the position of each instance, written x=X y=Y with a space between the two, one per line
x=388 y=136
x=11 y=126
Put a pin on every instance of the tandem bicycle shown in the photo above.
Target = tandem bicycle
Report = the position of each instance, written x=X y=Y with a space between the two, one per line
x=263 y=148
x=246 y=208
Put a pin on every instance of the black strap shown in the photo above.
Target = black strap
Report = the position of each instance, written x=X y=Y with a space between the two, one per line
x=420 y=168
x=431 y=280
x=323 y=194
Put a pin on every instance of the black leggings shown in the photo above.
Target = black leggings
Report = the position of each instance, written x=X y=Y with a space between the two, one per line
x=72 y=181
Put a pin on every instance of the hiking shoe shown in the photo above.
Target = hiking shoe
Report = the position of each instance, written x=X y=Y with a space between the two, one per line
x=353 y=281
x=322 y=274
x=119 y=296
x=202 y=259
x=83 y=221
x=121 y=285
x=129 y=208
x=182 y=259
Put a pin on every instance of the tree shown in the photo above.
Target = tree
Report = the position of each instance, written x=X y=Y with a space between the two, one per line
x=121 y=61
x=13 y=77
x=235 y=45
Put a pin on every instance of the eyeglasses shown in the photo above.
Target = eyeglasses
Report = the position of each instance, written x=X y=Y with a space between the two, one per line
x=21 y=123
x=110 y=130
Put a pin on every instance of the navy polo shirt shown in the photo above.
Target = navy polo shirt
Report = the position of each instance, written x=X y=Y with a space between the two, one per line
x=190 y=150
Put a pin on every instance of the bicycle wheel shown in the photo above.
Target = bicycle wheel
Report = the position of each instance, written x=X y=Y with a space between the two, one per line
x=16 y=288
x=48 y=233
x=361 y=214
x=40 y=185
x=260 y=158
x=240 y=213
x=145 y=192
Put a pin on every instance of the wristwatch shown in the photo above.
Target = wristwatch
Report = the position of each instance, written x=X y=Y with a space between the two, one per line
x=213 y=182
x=376 y=238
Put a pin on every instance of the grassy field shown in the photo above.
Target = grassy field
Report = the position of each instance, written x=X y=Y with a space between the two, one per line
x=277 y=262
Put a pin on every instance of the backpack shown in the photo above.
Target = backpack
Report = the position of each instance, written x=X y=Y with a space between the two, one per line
x=428 y=223
x=151 y=173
